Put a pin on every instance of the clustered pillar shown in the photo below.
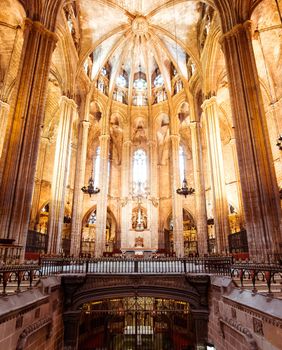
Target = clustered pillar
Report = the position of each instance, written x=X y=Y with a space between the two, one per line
x=153 y=157
x=77 y=205
x=4 y=111
x=200 y=196
x=102 y=203
x=177 y=207
x=258 y=180
x=22 y=143
x=60 y=174
x=125 y=203
x=220 y=205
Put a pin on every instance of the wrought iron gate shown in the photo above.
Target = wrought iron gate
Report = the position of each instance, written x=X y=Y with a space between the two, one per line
x=137 y=323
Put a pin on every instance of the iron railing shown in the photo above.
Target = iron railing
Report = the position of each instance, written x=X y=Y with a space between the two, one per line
x=15 y=278
x=164 y=266
x=269 y=274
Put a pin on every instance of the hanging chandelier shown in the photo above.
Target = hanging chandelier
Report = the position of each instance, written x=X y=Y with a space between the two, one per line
x=185 y=190
x=90 y=189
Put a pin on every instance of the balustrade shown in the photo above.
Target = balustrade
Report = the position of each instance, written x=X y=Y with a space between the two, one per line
x=164 y=266
x=21 y=277
x=258 y=277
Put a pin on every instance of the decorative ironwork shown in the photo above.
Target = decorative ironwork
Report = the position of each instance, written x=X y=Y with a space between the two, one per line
x=216 y=265
x=185 y=190
x=90 y=189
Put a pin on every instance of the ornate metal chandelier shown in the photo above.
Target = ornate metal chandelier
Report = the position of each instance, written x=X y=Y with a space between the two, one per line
x=90 y=189
x=185 y=190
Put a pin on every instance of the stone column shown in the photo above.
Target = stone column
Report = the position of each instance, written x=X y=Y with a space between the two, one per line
x=177 y=207
x=237 y=176
x=4 y=111
x=43 y=151
x=60 y=173
x=220 y=205
x=258 y=180
x=125 y=181
x=24 y=136
x=200 y=194
x=77 y=205
x=102 y=202
x=153 y=204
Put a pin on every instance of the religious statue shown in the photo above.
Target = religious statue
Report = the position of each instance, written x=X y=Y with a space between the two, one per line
x=139 y=219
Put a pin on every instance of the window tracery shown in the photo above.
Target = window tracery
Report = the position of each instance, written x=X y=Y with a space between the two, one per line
x=121 y=81
x=139 y=171
x=159 y=81
x=92 y=218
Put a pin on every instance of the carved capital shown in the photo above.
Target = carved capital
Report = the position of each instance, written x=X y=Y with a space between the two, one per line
x=5 y=106
x=40 y=28
x=246 y=26
x=68 y=101
x=209 y=102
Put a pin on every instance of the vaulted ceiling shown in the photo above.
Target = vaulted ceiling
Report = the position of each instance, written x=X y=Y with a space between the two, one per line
x=140 y=36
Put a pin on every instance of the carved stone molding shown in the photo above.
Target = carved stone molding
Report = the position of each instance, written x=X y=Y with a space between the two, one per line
x=255 y=313
x=239 y=328
x=79 y=290
x=29 y=330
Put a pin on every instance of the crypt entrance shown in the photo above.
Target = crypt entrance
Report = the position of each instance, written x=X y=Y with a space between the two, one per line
x=137 y=323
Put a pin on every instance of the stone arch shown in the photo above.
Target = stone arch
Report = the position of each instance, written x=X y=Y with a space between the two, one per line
x=45 y=12
x=189 y=232
x=88 y=231
x=183 y=112
x=139 y=130
x=80 y=290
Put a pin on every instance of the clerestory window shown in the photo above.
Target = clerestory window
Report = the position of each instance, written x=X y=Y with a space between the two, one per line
x=140 y=170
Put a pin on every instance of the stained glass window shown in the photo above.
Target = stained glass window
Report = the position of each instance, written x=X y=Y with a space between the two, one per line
x=159 y=81
x=140 y=84
x=121 y=81
x=140 y=170
x=92 y=218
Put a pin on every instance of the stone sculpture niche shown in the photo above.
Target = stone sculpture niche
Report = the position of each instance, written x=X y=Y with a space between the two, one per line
x=139 y=219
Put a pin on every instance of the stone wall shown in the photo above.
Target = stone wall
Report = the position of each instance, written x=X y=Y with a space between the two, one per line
x=240 y=319
x=32 y=319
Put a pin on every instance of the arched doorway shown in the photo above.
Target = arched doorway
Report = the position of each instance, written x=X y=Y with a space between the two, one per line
x=37 y=238
x=137 y=322
x=189 y=233
x=88 y=234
